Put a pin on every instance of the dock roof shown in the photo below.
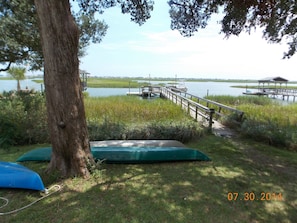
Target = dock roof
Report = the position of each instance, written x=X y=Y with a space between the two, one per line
x=273 y=80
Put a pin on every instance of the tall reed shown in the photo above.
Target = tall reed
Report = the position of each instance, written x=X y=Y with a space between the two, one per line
x=265 y=119
x=128 y=109
x=129 y=117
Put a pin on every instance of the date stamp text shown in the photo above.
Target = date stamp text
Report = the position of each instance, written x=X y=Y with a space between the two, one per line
x=252 y=196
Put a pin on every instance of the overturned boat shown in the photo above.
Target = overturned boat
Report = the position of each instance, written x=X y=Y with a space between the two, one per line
x=13 y=175
x=129 y=152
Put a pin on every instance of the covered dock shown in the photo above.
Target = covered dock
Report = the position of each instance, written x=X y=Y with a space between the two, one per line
x=274 y=86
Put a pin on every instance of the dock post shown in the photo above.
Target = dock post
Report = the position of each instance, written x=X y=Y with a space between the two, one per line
x=211 y=113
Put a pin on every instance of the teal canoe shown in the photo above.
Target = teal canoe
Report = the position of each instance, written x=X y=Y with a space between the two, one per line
x=127 y=154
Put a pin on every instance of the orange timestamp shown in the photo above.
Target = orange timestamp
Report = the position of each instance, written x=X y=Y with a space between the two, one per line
x=251 y=196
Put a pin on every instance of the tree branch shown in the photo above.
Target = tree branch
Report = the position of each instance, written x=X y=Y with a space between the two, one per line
x=7 y=68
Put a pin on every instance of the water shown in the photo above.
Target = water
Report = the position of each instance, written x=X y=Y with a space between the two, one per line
x=8 y=85
x=200 y=89
x=104 y=92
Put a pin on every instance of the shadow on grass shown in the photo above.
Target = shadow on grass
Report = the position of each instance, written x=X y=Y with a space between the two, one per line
x=172 y=192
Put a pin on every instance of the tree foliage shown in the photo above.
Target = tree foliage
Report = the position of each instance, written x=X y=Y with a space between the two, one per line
x=18 y=73
x=21 y=42
x=138 y=9
x=277 y=19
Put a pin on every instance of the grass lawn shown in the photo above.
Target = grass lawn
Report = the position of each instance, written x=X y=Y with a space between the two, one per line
x=170 y=192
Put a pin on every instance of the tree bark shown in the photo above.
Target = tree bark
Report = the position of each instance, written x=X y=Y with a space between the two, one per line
x=18 y=85
x=65 y=108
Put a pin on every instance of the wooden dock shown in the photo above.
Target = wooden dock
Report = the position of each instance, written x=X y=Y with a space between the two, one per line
x=202 y=110
x=147 y=91
x=284 y=93
x=274 y=87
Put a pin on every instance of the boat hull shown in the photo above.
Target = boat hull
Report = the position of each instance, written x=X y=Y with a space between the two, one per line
x=122 y=154
x=13 y=175
x=147 y=154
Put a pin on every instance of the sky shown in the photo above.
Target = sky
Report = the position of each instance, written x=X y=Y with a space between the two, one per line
x=154 y=50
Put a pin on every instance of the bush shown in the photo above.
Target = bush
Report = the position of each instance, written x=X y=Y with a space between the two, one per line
x=22 y=119
x=269 y=132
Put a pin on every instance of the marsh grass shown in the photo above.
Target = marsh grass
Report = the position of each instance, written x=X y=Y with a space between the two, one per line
x=109 y=82
x=182 y=192
x=118 y=117
x=131 y=109
x=113 y=83
x=265 y=120
x=122 y=117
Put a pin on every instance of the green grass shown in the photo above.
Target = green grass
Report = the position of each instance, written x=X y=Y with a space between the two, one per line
x=169 y=192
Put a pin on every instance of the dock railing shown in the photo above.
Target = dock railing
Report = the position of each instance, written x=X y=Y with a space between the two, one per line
x=197 y=111
x=201 y=107
x=220 y=109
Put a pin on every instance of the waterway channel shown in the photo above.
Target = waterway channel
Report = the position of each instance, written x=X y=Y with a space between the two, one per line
x=200 y=89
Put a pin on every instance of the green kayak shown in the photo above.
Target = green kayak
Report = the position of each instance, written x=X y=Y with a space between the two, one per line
x=127 y=154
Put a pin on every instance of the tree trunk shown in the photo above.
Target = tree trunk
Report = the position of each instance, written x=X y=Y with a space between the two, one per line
x=18 y=85
x=64 y=99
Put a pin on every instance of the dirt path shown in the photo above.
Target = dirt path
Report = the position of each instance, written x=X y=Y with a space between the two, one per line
x=220 y=130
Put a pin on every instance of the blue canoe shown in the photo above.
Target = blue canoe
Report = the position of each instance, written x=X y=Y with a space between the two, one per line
x=122 y=154
x=13 y=175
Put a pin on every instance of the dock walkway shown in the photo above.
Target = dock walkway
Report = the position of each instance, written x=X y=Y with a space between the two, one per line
x=205 y=113
x=202 y=110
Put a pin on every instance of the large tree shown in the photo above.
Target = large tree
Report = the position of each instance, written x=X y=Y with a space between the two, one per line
x=65 y=108
x=21 y=44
